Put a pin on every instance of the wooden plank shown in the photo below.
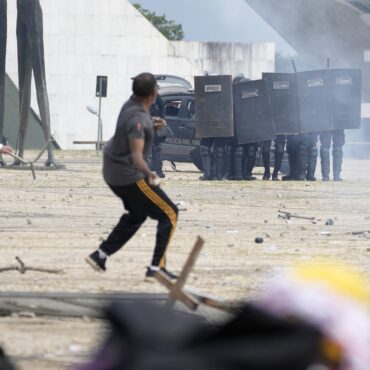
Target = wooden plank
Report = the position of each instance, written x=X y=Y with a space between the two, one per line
x=189 y=264
x=187 y=299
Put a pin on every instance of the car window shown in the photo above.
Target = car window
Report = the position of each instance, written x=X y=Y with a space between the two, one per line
x=172 y=108
x=190 y=109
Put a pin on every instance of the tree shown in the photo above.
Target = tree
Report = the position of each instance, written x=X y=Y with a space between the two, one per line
x=170 y=29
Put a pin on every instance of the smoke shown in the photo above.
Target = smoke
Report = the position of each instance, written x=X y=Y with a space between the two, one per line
x=322 y=29
x=230 y=13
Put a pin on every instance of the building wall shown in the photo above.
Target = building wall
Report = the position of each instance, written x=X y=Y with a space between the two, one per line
x=86 y=38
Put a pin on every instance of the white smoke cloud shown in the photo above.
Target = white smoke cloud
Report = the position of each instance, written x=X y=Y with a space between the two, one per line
x=231 y=12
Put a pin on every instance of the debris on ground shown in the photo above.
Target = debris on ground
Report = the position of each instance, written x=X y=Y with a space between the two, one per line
x=329 y=222
x=288 y=215
x=22 y=268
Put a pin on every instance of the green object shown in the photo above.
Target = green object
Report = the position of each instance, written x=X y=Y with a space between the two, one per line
x=35 y=136
x=170 y=29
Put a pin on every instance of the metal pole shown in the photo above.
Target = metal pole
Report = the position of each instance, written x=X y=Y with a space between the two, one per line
x=294 y=67
x=99 y=116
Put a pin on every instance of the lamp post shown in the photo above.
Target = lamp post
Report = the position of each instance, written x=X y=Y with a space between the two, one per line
x=100 y=127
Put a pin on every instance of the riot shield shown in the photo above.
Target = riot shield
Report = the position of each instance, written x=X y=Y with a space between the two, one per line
x=253 y=112
x=315 y=101
x=284 y=99
x=346 y=98
x=214 y=107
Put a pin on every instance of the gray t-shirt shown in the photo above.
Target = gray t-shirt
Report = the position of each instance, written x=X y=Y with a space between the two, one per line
x=134 y=122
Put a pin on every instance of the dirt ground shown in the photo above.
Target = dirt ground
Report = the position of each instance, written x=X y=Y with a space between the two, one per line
x=55 y=221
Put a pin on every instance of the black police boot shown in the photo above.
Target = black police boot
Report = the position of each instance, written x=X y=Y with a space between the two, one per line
x=220 y=162
x=207 y=163
x=302 y=162
x=337 y=163
x=312 y=163
x=229 y=173
x=238 y=163
x=278 y=159
x=325 y=164
x=293 y=166
x=266 y=164
x=250 y=162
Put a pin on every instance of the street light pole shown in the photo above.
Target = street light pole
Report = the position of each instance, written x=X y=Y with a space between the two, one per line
x=99 y=139
x=101 y=92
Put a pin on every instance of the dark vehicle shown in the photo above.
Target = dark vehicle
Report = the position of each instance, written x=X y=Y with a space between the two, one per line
x=179 y=109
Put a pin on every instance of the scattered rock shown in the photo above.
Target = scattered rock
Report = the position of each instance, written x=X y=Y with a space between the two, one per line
x=329 y=222
x=266 y=221
x=258 y=240
x=75 y=348
x=232 y=231
x=29 y=222
x=272 y=248
x=182 y=206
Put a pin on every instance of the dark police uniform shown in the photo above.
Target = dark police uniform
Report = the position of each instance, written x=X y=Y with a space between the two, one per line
x=298 y=149
x=312 y=156
x=280 y=142
x=339 y=139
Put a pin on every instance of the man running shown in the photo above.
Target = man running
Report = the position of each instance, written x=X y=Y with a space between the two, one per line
x=126 y=172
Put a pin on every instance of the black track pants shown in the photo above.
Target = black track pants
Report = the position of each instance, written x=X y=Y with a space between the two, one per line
x=141 y=201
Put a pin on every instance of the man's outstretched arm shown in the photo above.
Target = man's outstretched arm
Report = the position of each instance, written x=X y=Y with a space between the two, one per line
x=137 y=150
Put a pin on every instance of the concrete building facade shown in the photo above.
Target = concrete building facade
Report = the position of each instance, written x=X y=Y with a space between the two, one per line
x=86 y=38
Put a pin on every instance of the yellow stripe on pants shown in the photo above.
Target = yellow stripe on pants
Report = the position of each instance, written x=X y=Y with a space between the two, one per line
x=167 y=209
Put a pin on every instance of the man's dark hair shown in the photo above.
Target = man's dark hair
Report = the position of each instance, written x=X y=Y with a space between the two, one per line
x=144 y=85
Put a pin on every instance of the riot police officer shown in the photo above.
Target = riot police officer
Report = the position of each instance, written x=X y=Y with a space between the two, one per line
x=244 y=155
x=338 y=139
x=212 y=151
x=156 y=164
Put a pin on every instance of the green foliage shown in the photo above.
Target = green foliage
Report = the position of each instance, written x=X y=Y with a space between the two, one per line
x=170 y=29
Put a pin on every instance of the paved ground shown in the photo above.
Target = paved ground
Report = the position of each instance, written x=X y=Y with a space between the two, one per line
x=55 y=221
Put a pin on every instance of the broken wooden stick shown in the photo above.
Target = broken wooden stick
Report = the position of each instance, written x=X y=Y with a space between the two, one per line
x=288 y=215
x=22 y=268
x=191 y=300
x=189 y=264
x=176 y=293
